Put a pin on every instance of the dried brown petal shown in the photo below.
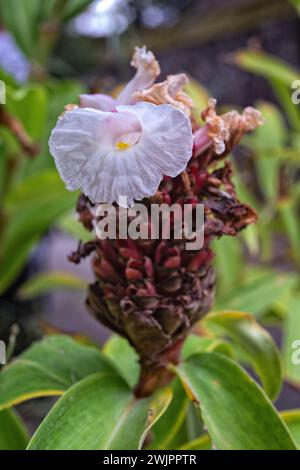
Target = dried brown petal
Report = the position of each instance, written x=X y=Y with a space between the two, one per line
x=168 y=92
x=230 y=126
x=145 y=60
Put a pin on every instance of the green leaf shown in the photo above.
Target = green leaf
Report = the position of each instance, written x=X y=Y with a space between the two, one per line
x=292 y=420
x=280 y=74
x=200 y=443
x=3 y=168
x=251 y=235
x=60 y=93
x=228 y=252
x=200 y=97
x=291 y=340
x=166 y=430
x=29 y=105
x=296 y=4
x=69 y=224
x=266 y=65
x=13 y=435
x=11 y=266
x=99 y=412
x=49 y=367
x=74 y=7
x=266 y=141
x=32 y=189
x=273 y=134
x=283 y=94
x=237 y=413
x=45 y=282
x=158 y=405
x=195 y=344
x=251 y=239
x=124 y=358
x=288 y=212
x=31 y=208
x=8 y=79
x=242 y=188
x=255 y=342
x=257 y=295
x=268 y=171
x=21 y=19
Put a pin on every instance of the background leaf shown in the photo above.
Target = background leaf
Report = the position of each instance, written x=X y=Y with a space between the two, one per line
x=266 y=143
x=257 y=295
x=255 y=342
x=29 y=105
x=166 y=430
x=49 y=367
x=74 y=7
x=291 y=336
x=228 y=252
x=201 y=443
x=45 y=282
x=70 y=224
x=20 y=17
x=236 y=412
x=292 y=420
x=195 y=343
x=13 y=435
x=270 y=67
x=288 y=212
x=30 y=211
x=199 y=96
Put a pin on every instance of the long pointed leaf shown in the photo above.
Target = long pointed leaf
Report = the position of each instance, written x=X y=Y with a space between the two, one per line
x=255 y=342
x=236 y=412
x=99 y=412
x=49 y=368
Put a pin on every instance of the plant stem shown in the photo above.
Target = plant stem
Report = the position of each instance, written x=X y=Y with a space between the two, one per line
x=157 y=374
x=17 y=129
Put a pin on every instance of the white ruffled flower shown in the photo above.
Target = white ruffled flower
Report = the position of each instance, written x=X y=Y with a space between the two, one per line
x=124 y=153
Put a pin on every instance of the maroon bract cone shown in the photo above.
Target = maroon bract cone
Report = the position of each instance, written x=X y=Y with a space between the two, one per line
x=152 y=292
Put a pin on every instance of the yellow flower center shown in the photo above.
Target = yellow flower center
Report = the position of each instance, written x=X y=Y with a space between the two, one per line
x=122 y=145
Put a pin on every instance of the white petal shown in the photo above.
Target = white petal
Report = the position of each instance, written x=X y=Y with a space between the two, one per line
x=147 y=71
x=83 y=146
x=98 y=101
x=166 y=141
x=84 y=140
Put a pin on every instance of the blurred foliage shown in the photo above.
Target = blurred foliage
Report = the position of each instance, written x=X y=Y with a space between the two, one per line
x=296 y=3
x=35 y=24
x=258 y=273
x=266 y=282
x=13 y=435
x=32 y=194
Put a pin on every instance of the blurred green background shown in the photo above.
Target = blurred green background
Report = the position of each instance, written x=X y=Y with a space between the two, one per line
x=243 y=52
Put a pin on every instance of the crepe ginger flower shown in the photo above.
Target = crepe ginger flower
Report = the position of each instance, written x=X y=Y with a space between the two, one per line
x=152 y=291
x=120 y=152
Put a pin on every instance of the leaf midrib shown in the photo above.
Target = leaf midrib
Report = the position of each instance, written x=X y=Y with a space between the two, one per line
x=38 y=366
x=119 y=424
